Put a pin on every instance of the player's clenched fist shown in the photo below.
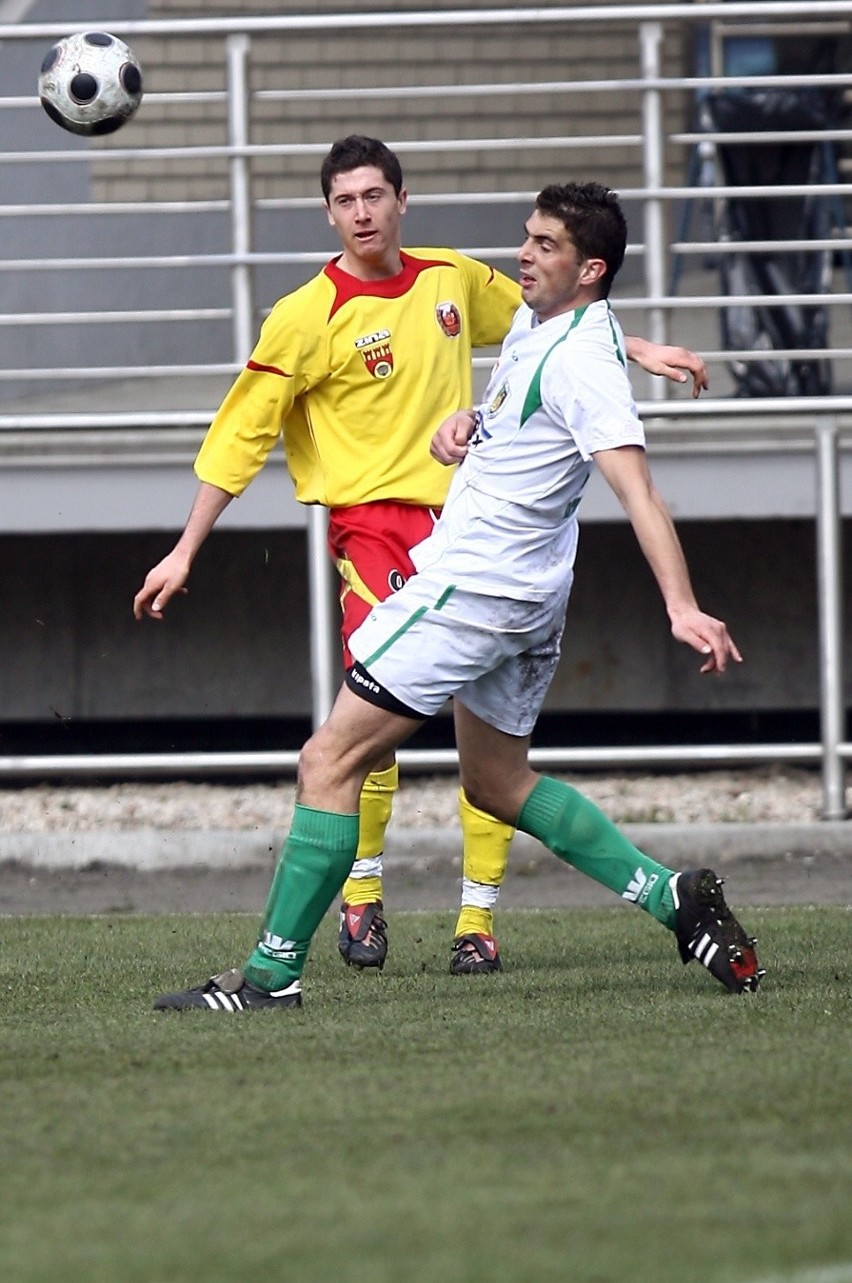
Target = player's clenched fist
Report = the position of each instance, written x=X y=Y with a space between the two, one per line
x=449 y=444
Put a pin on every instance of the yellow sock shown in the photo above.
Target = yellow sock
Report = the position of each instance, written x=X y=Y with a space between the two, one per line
x=375 y=810
x=486 y=854
x=471 y=921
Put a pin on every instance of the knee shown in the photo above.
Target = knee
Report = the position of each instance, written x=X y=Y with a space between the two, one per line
x=487 y=799
x=330 y=773
x=304 y=771
x=314 y=762
x=500 y=794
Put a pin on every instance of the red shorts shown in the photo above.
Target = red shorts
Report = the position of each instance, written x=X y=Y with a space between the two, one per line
x=369 y=543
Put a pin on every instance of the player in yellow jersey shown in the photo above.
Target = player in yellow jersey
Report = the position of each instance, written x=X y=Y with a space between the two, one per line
x=356 y=369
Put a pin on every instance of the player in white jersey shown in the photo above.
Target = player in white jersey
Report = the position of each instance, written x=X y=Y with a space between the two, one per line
x=557 y=396
x=508 y=533
x=483 y=617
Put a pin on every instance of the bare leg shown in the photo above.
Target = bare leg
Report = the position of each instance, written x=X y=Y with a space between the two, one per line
x=495 y=773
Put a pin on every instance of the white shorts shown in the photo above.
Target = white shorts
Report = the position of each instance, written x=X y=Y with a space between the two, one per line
x=430 y=641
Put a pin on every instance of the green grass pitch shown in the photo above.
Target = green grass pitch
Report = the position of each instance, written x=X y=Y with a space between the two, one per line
x=595 y=1114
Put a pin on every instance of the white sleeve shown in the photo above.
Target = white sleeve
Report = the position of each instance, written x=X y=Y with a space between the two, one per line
x=585 y=386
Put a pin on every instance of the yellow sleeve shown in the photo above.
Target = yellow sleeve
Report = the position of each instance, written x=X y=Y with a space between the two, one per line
x=494 y=299
x=289 y=358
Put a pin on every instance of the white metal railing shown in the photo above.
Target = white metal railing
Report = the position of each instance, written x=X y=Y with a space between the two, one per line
x=651 y=144
x=825 y=423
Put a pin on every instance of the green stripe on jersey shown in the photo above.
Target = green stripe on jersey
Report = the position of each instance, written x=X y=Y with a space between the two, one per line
x=622 y=358
x=532 y=401
x=409 y=623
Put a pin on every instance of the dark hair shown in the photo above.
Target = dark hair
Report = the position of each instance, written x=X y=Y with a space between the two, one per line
x=593 y=218
x=353 y=152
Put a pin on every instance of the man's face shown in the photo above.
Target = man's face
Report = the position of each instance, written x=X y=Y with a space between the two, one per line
x=553 y=277
x=366 y=211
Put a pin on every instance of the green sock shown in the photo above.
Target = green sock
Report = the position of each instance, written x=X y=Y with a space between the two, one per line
x=314 y=864
x=575 y=830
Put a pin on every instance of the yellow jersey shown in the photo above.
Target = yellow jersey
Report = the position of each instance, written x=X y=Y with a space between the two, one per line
x=355 y=376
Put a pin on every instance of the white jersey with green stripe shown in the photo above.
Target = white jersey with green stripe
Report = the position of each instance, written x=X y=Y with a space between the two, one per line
x=559 y=393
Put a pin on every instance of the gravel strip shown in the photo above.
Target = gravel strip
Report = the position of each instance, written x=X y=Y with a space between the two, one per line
x=770 y=794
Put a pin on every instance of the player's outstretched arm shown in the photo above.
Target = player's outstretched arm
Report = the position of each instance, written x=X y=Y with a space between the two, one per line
x=626 y=471
x=169 y=576
x=672 y=362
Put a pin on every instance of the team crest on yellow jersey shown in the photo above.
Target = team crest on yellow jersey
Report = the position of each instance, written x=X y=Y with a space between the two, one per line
x=376 y=350
x=449 y=319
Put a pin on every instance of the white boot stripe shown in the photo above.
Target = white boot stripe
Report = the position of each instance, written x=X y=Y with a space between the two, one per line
x=295 y=987
x=699 y=947
x=210 y=1000
x=705 y=950
x=673 y=888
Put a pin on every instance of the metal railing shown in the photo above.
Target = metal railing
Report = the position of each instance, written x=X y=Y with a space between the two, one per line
x=826 y=422
x=651 y=148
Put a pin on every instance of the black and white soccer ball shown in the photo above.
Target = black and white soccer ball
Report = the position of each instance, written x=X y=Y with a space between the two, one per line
x=90 y=83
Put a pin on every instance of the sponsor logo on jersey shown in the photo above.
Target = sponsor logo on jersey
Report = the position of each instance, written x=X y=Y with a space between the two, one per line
x=376 y=350
x=395 y=580
x=370 y=340
x=449 y=319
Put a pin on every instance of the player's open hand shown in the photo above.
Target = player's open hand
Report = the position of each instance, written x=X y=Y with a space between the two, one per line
x=678 y=363
x=161 y=583
x=449 y=444
x=709 y=636
x=670 y=362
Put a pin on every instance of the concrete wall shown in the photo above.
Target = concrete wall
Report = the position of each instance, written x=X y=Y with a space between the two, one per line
x=236 y=645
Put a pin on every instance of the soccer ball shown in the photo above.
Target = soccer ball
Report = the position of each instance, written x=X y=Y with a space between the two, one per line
x=90 y=83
